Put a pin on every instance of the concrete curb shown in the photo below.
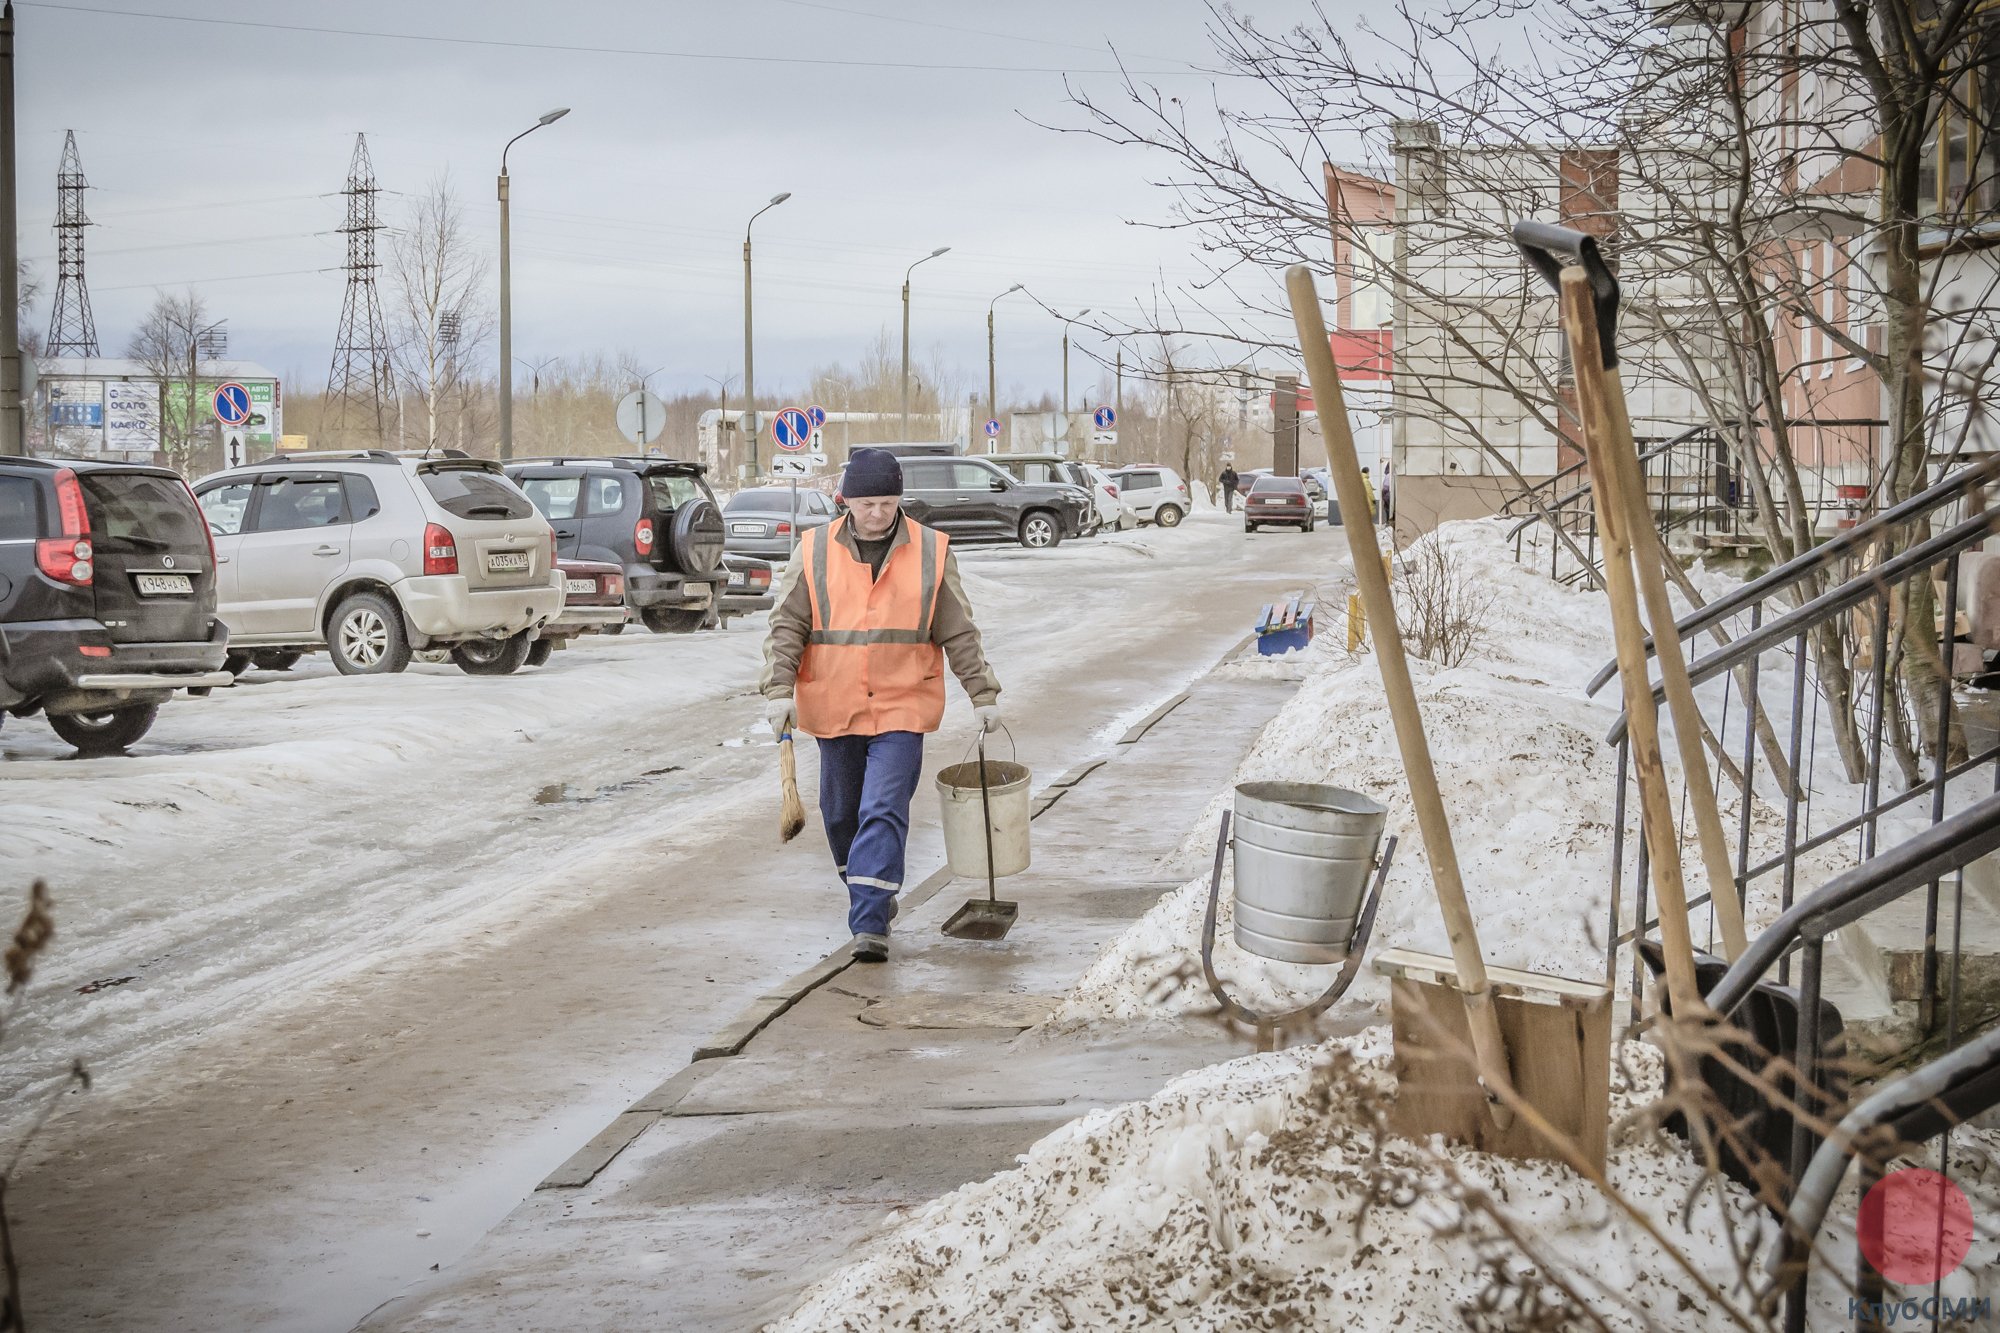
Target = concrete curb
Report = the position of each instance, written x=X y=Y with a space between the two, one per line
x=1152 y=719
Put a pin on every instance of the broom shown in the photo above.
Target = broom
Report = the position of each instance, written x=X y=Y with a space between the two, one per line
x=792 y=817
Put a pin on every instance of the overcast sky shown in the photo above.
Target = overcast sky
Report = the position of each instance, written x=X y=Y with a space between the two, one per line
x=215 y=151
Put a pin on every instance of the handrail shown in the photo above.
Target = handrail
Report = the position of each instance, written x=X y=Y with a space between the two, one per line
x=1835 y=547
x=1644 y=458
x=1932 y=854
x=1851 y=593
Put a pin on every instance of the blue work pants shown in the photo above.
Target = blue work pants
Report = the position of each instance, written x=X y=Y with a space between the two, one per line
x=865 y=786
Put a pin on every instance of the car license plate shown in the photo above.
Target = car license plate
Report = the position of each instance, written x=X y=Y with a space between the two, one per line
x=739 y=580
x=507 y=562
x=164 y=585
x=580 y=585
x=746 y=529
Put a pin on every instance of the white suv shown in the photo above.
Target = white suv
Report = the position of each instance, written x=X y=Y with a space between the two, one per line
x=1155 y=494
x=372 y=555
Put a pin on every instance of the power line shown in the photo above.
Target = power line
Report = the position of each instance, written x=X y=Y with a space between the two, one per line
x=653 y=53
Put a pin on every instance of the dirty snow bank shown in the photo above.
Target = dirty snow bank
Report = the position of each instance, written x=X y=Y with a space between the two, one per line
x=1529 y=784
x=1257 y=1193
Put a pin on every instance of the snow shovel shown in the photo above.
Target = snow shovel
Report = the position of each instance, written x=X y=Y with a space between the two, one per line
x=992 y=918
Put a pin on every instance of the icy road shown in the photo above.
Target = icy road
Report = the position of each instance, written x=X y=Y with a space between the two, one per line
x=355 y=962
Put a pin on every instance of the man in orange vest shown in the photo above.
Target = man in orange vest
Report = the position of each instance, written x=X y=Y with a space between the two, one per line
x=866 y=614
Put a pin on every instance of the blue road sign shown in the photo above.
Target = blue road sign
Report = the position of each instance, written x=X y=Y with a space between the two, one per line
x=232 y=404
x=992 y=426
x=817 y=415
x=792 y=430
x=1105 y=418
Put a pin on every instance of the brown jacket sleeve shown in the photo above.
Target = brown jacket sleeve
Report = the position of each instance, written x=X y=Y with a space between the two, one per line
x=791 y=624
x=952 y=629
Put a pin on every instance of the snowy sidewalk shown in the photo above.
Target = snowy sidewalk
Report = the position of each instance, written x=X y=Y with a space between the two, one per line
x=748 y=1176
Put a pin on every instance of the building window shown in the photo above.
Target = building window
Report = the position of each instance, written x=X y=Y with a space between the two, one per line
x=1961 y=174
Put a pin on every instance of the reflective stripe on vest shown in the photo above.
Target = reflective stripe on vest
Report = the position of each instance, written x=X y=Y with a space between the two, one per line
x=869 y=664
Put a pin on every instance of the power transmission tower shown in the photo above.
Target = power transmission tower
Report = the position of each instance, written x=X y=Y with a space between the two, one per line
x=72 y=332
x=361 y=377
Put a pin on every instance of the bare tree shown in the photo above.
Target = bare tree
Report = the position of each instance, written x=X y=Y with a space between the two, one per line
x=166 y=343
x=439 y=318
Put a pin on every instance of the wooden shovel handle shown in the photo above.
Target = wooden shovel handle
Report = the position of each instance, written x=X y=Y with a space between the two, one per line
x=1371 y=573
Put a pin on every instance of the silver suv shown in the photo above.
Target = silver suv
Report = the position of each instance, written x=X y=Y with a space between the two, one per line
x=372 y=555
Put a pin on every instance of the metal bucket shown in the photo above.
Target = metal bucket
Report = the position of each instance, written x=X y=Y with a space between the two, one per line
x=1303 y=855
x=965 y=838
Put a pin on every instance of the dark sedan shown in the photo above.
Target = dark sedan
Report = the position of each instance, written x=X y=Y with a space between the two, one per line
x=1275 y=499
x=761 y=522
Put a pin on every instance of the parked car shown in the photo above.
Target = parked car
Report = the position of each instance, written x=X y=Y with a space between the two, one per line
x=1052 y=470
x=1275 y=499
x=372 y=555
x=969 y=497
x=107 y=598
x=749 y=586
x=1112 y=509
x=655 y=518
x=1155 y=494
x=762 y=522
x=593 y=603
x=919 y=449
x=1319 y=485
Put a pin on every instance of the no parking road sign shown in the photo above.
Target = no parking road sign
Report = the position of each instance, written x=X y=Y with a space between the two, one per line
x=791 y=430
x=231 y=404
x=1105 y=418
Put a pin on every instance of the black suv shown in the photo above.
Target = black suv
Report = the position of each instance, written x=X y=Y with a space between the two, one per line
x=653 y=517
x=107 y=597
x=969 y=497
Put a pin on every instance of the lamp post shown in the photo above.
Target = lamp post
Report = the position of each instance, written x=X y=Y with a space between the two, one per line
x=992 y=385
x=507 y=294
x=749 y=359
x=906 y=333
x=721 y=383
x=1067 y=320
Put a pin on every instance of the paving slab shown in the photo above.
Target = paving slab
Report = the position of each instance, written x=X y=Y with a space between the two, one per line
x=868 y=1088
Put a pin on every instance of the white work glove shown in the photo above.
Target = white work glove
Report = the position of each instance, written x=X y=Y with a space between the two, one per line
x=988 y=715
x=780 y=713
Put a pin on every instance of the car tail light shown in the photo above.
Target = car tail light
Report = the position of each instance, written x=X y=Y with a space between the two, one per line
x=784 y=529
x=94 y=650
x=206 y=531
x=1111 y=490
x=1183 y=488
x=761 y=576
x=614 y=585
x=440 y=551
x=642 y=536
x=67 y=559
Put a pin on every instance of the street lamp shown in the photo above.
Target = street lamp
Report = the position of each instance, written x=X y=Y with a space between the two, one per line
x=750 y=360
x=507 y=294
x=535 y=369
x=992 y=388
x=721 y=383
x=906 y=333
x=1067 y=321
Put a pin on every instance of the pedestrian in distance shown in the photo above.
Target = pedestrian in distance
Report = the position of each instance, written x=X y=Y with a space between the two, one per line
x=861 y=626
x=1368 y=486
x=1227 y=484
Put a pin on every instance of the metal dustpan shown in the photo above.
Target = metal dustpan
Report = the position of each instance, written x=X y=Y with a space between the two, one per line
x=992 y=917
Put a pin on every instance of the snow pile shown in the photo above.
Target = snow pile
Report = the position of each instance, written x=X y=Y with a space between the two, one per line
x=1258 y=1193
x=1528 y=781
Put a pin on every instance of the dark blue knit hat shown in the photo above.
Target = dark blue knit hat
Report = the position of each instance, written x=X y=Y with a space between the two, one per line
x=871 y=472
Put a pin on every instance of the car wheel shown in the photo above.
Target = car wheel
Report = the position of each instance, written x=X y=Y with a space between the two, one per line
x=368 y=638
x=540 y=651
x=236 y=663
x=1040 y=531
x=674 y=619
x=104 y=733
x=1249 y=527
x=1168 y=517
x=494 y=657
x=280 y=659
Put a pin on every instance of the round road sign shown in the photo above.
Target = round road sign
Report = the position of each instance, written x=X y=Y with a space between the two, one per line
x=817 y=415
x=231 y=403
x=1105 y=418
x=641 y=417
x=792 y=430
x=992 y=427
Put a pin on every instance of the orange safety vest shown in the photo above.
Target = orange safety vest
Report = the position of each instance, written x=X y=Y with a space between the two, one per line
x=869 y=665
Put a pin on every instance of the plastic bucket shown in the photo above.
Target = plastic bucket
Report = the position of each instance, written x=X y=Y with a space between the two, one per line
x=1304 y=853
x=964 y=838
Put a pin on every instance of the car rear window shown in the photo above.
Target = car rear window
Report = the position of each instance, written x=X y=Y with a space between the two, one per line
x=20 y=509
x=125 y=505
x=671 y=490
x=475 y=493
x=1139 y=481
x=1292 y=484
